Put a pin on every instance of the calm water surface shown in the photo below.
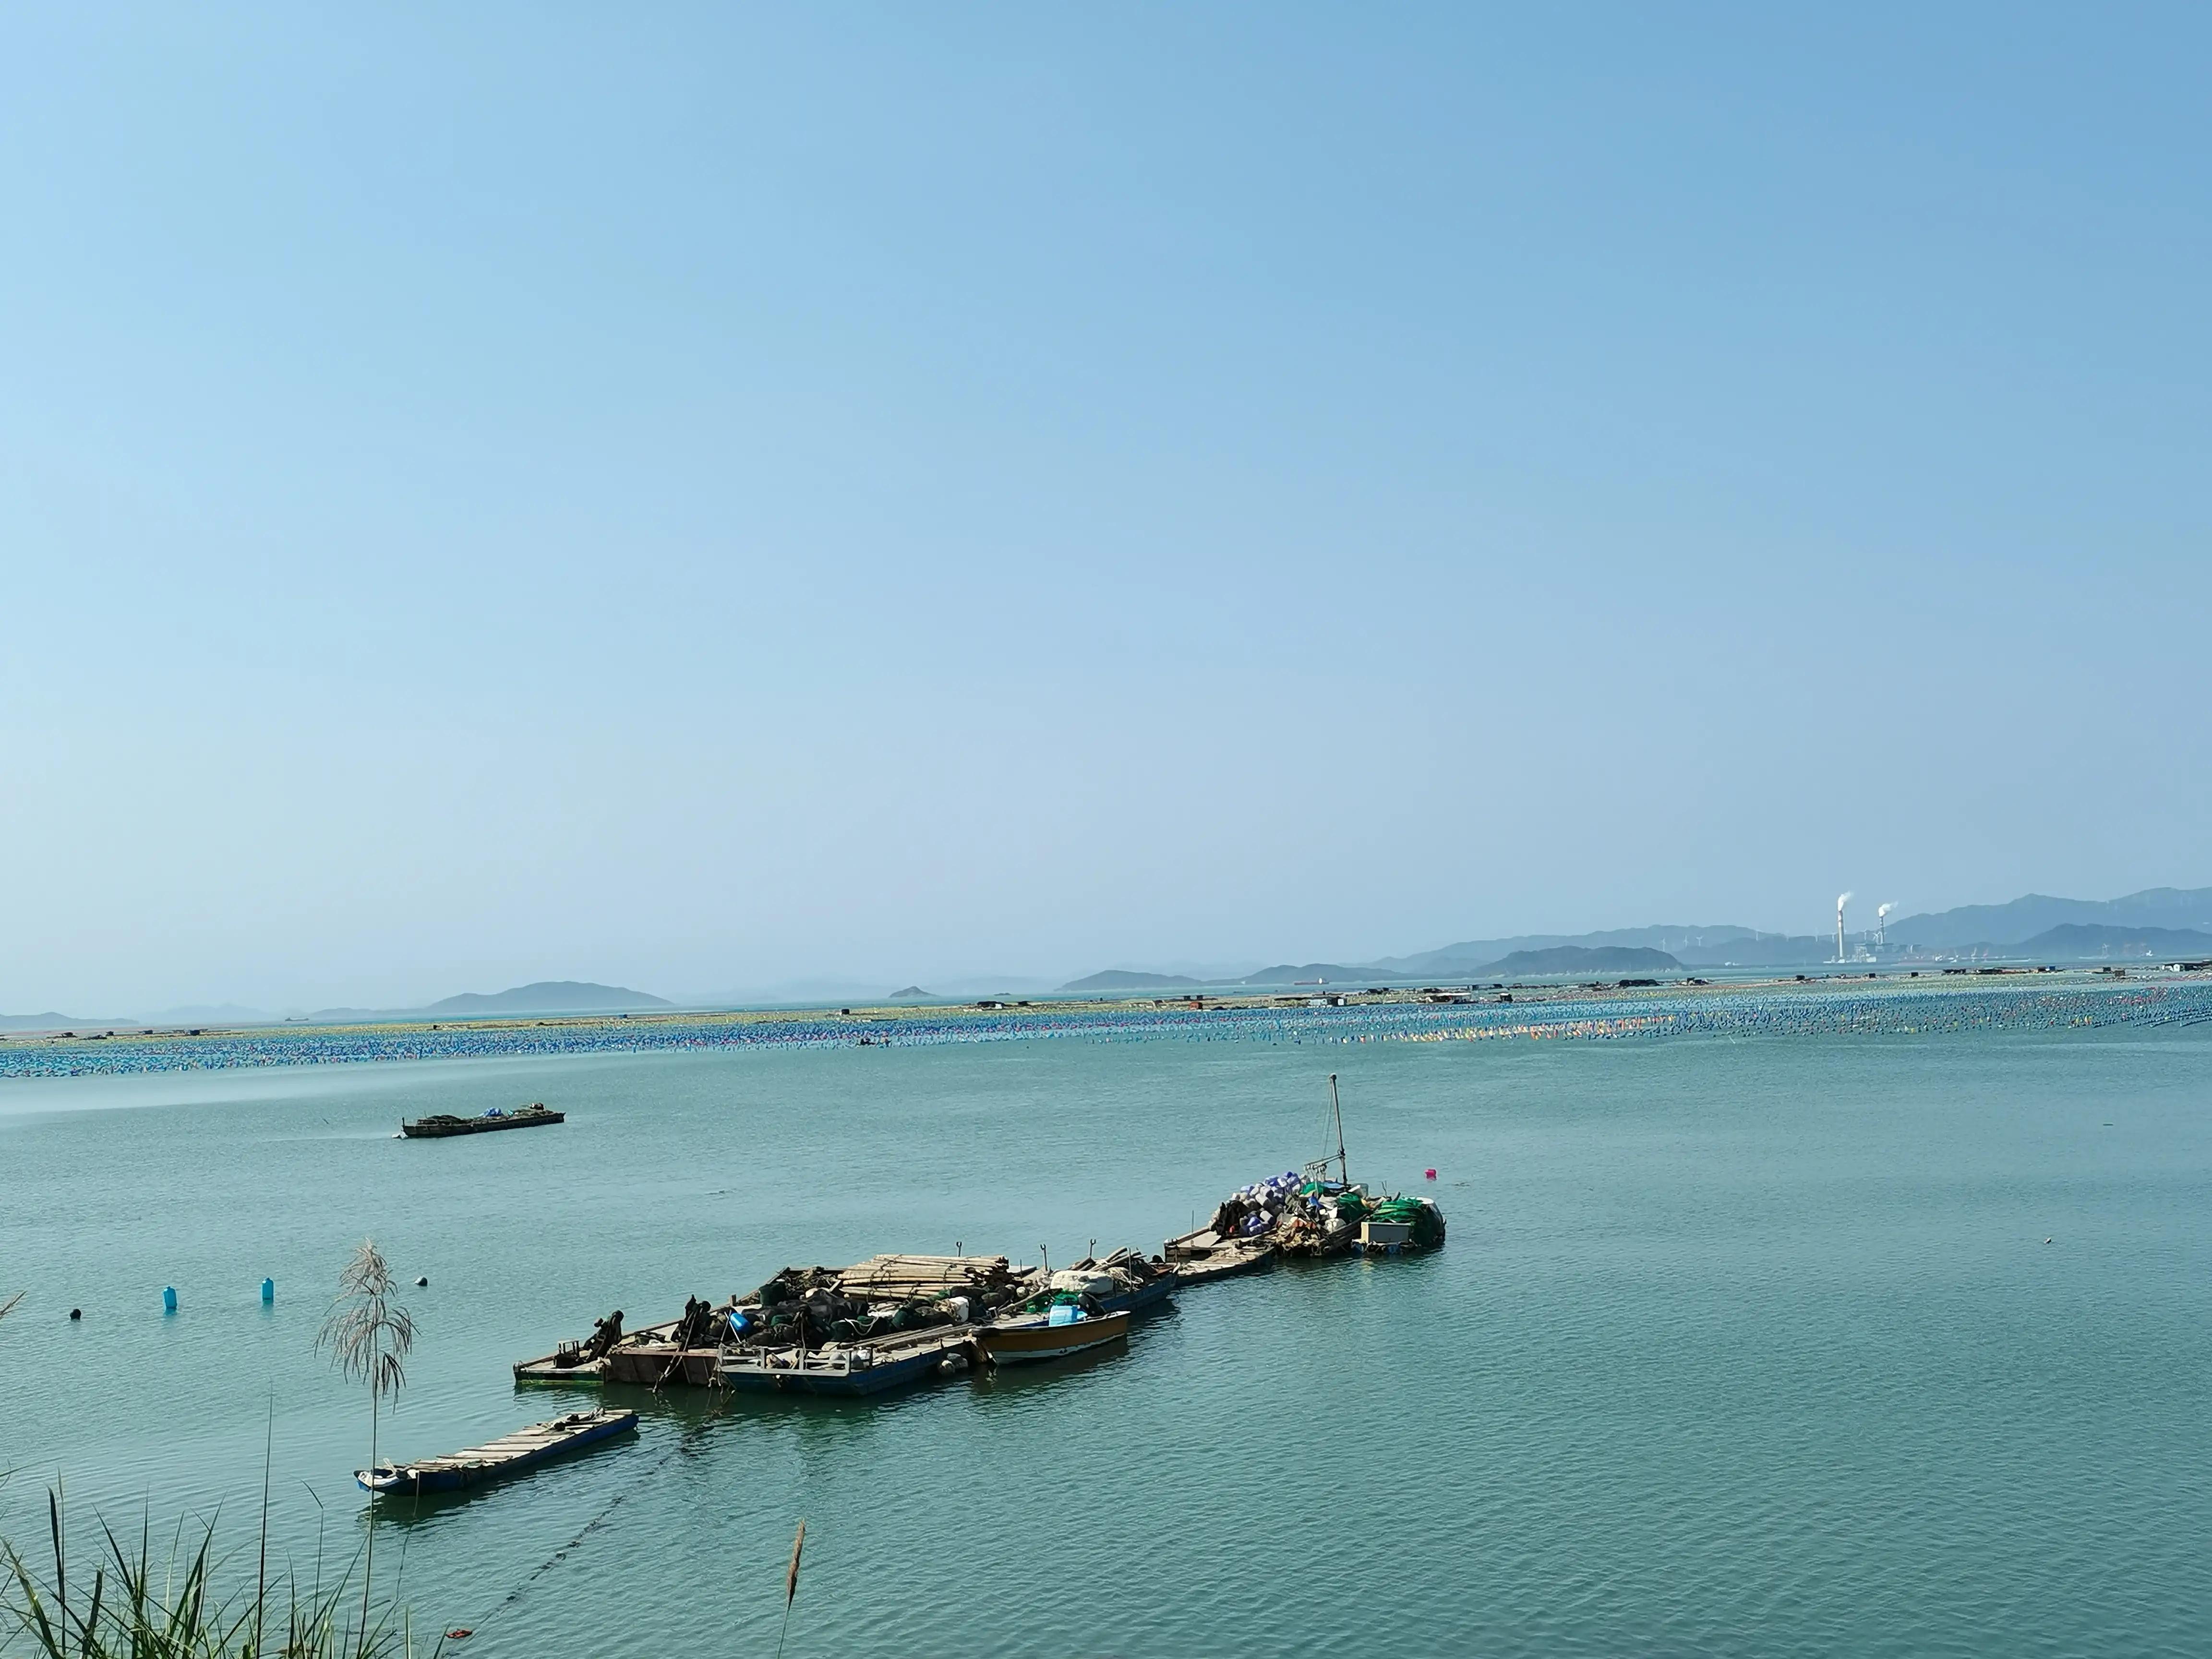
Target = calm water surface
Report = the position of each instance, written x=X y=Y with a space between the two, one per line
x=1738 y=1347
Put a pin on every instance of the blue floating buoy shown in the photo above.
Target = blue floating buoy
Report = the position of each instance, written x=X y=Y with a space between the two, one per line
x=267 y=1289
x=168 y=1298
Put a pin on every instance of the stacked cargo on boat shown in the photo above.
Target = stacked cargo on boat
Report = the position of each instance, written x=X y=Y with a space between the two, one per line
x=1303 y=1215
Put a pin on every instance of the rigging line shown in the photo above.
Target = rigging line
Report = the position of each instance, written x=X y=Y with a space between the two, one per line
x=560 y=1554
x=588 y=1530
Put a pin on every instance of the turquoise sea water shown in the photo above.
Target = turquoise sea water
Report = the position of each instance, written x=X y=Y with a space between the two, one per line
x=1740 y=1345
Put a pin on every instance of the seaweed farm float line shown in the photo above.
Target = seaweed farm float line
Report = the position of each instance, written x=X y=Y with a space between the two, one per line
x=1896 y=1008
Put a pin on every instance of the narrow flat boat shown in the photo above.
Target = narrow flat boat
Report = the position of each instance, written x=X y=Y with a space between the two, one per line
x=1202 y=1257
x=849 y=1369
x=510 y=1454
x=441 y=1124
x=1055 y=1336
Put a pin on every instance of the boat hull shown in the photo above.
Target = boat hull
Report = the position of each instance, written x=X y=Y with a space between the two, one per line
x=847 y=1372
x=1202 y=1264
x=658 y=1365
x=1033 y=1342
x=1148 y=1295
x=427 y=1129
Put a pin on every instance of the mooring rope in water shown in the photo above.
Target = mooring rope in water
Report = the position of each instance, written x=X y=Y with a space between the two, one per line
x=560 y=1554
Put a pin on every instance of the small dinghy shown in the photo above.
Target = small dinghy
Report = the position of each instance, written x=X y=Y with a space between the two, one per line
x=1070 y=1327
x=510 y=1455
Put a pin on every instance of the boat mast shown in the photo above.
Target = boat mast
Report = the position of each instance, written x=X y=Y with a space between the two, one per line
x=1336 y=1106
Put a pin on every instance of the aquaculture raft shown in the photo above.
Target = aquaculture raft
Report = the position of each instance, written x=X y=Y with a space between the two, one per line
x=510 y=1455
x=441 y=1124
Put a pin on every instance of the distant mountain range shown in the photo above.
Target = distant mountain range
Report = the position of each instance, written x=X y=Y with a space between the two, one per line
x=2079 y=941
x=1575 y=959
x=2026 y=920
x=547 y=996
x=2161 y=923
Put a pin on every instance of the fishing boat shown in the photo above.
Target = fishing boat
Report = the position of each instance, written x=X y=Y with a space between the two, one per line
x=510 y=1454
x=1124 y=1282
x=441 y=1124
x=847 y=1369
x=1315 y=1213
x=1150 y=1294
x=1033 y=1338
x=1203 y=1256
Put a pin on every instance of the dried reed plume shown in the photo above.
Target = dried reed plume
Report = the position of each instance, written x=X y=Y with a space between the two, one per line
x=369 y=1336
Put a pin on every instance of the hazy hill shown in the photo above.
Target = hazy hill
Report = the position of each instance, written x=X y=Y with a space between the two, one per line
x=1575 y=959
x=550 y=996
x=1116 y=979
x=2035 y=914
x=1761 y=951
x=1284 y=973
x=2077 y=939
x=1455 y=961
x=553 y=996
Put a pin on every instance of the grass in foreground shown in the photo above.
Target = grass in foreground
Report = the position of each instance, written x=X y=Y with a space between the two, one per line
x=136 y=1609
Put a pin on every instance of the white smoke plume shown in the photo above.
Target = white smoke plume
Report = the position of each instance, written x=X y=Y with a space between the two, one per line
x=1881 y=912
x=1842 y=899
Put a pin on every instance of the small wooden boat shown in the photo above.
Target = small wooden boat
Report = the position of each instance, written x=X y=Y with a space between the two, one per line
x=510 y=1455
x=1142 y=1298
x=441 y=1124
x=1203 y=1256
x=1039 y=1337
x=850 y=1368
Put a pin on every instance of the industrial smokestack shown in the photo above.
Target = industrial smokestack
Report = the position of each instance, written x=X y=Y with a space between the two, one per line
x=1842 y=899
x=1881 y=924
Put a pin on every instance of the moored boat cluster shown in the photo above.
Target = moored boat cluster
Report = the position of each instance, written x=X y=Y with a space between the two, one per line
x=893 y=1321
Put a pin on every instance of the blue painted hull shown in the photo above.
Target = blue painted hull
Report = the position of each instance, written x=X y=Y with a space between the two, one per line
x=879 y=1378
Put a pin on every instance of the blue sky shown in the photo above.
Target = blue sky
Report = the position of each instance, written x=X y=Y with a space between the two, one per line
x=743 y=493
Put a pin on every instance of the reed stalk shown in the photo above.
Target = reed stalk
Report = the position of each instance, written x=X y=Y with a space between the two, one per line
x=369 y=1336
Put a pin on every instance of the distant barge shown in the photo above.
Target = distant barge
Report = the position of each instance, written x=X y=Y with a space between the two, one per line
x=438 y=1127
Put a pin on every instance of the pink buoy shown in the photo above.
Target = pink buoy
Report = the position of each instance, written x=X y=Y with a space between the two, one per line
x=1428 y=1174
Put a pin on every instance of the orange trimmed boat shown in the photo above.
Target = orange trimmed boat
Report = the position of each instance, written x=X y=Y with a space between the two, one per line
x=1053 y=1335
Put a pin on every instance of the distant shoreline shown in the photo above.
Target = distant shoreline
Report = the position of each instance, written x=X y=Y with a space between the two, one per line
x=1909 y=1002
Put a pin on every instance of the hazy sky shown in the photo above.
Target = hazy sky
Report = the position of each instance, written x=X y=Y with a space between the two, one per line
x=699 y=497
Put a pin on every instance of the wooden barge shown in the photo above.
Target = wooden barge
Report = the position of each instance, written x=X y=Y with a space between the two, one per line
x=526 y=1448
x=440 y=1124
